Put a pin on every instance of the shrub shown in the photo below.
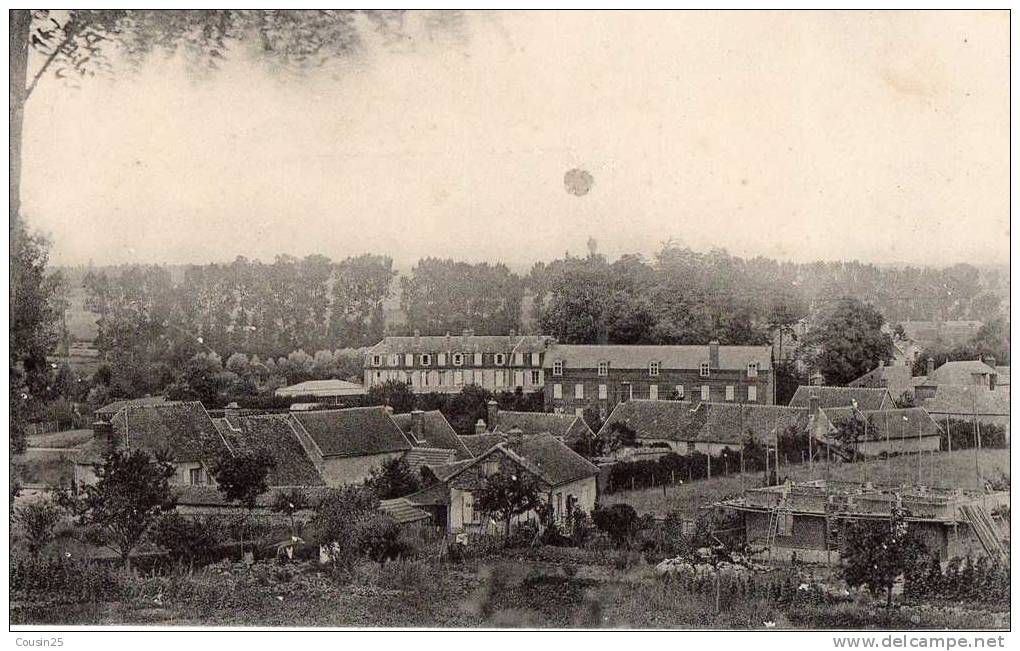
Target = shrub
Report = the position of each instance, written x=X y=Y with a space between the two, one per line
x=64 y=580
x=619 y=521
x=381 y=538
x=187 y=541
x=37 y=521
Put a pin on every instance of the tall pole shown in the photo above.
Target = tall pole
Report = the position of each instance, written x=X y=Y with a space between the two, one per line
x=742 y=446
x=888 y=451
x=949 y=435
x=918 y=451
x=977 y=442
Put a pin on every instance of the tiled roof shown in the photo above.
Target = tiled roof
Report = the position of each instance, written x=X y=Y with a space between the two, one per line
x=867 y=398
x=552 y=461
x=567 y=427
x=670 y=357
x=436 y=431
x=724 y=422
x=708 y=422
x=117 y=405
x=275 y=437
x=458 y=343
x=962 y=372
x=401 y=510
x=323 y=388
x=479 y=443
x=182 y=430
x=965 y=400
x=352 y=432
x=889 y=423
x=434 y=495
x=897 y=379
x=670 y=420
x=418 y=457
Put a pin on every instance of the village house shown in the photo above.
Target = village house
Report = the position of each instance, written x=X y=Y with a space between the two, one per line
x=566 y=428
x=180 y=431
x=600 y=377
x=566 y=481
x=882 y=431
x=808 y=520
x=898 y=380
x=448 y=363
x=434 y=440
x=709 y=428
x=107 y=412
x=866 y=399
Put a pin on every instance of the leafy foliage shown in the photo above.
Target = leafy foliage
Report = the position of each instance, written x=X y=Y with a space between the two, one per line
x=619 y=521
x=131 y=492
x=850 y=342
x=392 y=393
x=37 y=521
x=504 y=495
x=337 y=519
x=243 y=477
x=393 y=478
x=878 y=552
x=188 y=541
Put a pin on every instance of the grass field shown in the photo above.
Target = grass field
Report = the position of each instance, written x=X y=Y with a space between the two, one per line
x=69 y=439
x=943 y=469
x=44 y=467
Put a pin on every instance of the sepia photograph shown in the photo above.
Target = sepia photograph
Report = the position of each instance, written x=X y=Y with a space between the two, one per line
x=507 y=319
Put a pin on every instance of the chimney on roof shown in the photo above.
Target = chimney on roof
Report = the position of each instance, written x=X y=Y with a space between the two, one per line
x=480 y=427
x=491 y=413
x=990 y=360
x=931 y=366
x=467 y=332
x=417 y=335
x=813 y=405
x=389 y=409
x=447 y=340
x=417 y=425
x=231 y=410
x=713 y=354
x=515 y=436
x=102 y=431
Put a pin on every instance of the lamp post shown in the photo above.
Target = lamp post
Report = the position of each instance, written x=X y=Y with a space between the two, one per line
x=864 y=465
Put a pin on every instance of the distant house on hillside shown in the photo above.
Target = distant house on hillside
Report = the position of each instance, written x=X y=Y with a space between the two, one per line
x=898 y=380
x=566 y=481
x=868 y=399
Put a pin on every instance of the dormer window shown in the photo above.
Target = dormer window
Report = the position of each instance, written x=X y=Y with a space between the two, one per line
x=500 y=359
x=653 y=369
x=704 y=369
x=558 y=367
x=458 y=359
x=603 y=369
x=752 y=369
x=426 y=359
x=376 y=360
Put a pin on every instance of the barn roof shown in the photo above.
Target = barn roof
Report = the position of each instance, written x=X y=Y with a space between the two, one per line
x=183 y=431
x=566 y=427
x=275 y=437
x=867 y=397
x=403 y=511
x=436 y=431
x=352 y=432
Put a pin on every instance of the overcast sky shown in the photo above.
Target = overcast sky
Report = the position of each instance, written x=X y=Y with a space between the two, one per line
x=877 y=136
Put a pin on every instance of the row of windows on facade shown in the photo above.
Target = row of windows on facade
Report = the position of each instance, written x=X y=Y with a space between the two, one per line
x=458 y=359
x=654 y=368
x=460 y=378
x=653 y=392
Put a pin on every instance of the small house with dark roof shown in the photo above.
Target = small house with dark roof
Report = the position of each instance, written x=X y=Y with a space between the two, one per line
x=705 y=427
x=867 y=398
x=180 y=431
x=566 y=481
x=567 y=428
x=345 y=445
x=275 y=437
x=887 y=431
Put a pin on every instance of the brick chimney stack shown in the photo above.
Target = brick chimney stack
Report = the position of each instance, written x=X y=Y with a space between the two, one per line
x=480 y=427
x=813 y=405
x=102 y=432
x=491 y=413
x=713 y=354
x=931 y=366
